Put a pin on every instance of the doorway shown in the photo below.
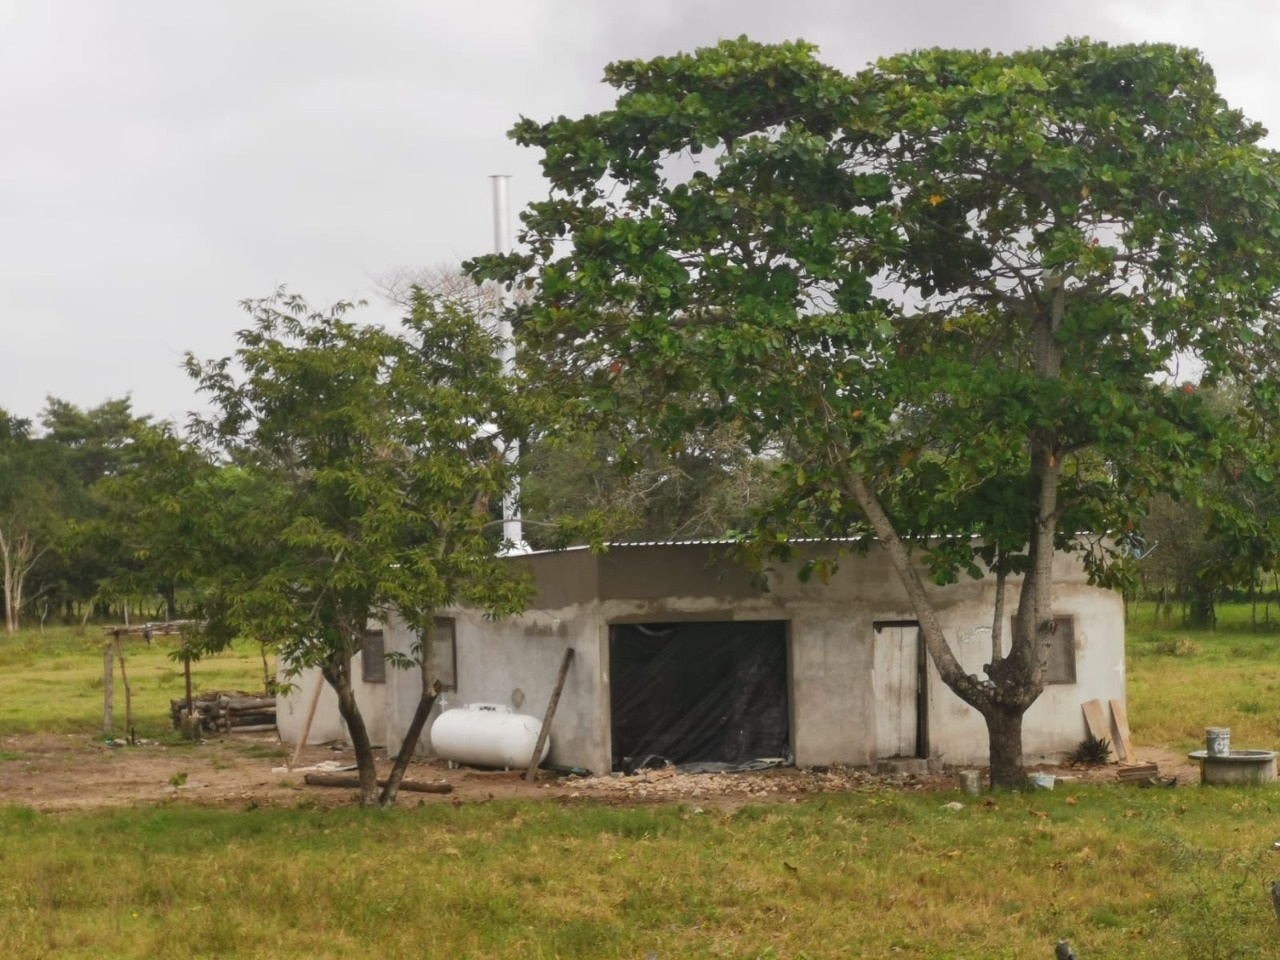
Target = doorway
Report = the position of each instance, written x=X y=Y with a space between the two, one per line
x=901 y=689
x=698 y=692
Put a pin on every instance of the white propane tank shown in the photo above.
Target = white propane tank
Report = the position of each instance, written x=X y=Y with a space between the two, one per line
x=487 y=735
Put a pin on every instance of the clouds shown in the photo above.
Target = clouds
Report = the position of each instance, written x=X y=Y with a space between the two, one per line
x=163 y=160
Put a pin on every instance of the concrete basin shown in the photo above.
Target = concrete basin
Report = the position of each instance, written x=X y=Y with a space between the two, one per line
x=1236 y=766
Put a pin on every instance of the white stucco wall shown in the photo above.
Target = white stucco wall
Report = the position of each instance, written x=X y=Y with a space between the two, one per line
x=1054 y=724
x=327 y=724
x=837 y=715
x=515 y=663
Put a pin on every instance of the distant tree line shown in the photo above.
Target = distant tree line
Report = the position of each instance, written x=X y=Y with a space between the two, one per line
x=94 y=523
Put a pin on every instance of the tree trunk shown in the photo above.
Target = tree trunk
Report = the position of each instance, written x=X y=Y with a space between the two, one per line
x=1004 y=731
x=426 y=701
x=170 y=595
x=17 y=556
x=1014 y=680
x=969 y=688
x=338 y=676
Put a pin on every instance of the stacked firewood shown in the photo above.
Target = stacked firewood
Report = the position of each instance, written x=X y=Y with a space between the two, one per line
x=222 y=711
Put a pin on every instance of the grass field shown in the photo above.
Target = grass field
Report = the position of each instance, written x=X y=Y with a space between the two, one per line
x=1121 y=872
x=53 y=682
x=1181 y=681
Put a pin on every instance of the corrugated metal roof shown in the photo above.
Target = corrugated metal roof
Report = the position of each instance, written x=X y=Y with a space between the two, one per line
x=711 y=542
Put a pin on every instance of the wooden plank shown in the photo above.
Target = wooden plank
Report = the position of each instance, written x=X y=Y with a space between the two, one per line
x=532 y=773
x=1122 y=739
x=334 y=780
x=1098 y=725
x=311 y=715
x=1137 y=773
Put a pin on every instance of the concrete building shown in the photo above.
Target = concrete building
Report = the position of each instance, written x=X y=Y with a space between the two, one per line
x=678 y=651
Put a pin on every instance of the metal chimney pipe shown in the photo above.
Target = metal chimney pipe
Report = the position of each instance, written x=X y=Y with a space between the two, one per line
x=512 y=528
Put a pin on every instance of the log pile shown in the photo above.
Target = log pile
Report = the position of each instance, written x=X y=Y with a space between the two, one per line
x=224 y=711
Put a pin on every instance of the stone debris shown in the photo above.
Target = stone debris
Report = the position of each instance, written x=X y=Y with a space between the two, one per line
x=788 y=783
x=324 y=766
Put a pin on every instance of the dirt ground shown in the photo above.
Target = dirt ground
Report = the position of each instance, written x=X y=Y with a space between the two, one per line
x=51 y=772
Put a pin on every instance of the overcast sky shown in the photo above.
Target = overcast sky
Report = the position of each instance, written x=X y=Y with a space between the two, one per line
x=161 y=161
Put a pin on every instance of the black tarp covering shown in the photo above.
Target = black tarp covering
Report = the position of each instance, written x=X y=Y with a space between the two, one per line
x=698 y=692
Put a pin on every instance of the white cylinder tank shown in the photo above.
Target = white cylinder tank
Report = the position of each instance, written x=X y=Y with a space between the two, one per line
x=487 y=735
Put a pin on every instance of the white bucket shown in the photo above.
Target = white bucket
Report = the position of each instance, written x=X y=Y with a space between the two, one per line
x=1217 y=741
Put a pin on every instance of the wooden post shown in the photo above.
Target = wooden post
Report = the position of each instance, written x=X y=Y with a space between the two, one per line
x=128 y=694
x=108 y=688
x=186 y=670
x=311 y=715
x=532 y=773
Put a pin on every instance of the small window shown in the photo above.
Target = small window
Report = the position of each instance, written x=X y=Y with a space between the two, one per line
x=1060 y=666
x=373 y=659
x=442 y=656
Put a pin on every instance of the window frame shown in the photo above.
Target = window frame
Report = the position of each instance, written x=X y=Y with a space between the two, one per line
x=1064 y=645
x=373 y=657
x=435 y=654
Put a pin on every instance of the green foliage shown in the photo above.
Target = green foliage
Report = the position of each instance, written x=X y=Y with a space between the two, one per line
x=149 y=522
x=707 y=488
x=46 y=497
x=37 y=505
x=951 y=288
x=1091 y=751
x=1222 y=529
x=362 y=467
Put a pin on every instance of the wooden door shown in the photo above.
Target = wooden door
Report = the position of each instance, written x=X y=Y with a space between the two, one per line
x=899 y=690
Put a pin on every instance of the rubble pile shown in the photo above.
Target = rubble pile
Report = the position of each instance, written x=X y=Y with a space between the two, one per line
x=772 y=785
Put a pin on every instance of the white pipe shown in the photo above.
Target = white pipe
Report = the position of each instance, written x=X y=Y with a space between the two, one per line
x=512 y=528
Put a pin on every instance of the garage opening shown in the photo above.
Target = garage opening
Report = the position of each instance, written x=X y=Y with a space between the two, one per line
x=707 y=692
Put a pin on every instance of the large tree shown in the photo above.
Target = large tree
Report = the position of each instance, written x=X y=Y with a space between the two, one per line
x=950 y=287
x=89 y=445
x=29 y=515
x=149 y=525
x=364 y=463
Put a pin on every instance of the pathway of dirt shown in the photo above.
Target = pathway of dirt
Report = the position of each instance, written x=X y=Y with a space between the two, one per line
x=69 y=772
